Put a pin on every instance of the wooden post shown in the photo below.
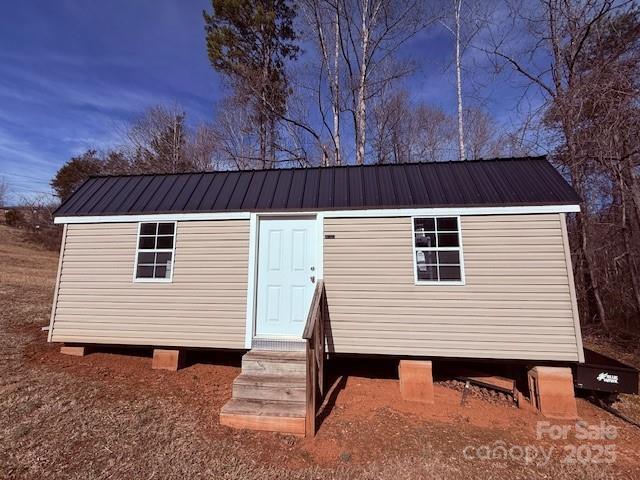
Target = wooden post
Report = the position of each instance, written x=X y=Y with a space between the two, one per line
x=314 y=335
x=310 y=429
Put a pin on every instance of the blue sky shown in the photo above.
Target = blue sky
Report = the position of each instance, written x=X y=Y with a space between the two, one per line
x=73 y=73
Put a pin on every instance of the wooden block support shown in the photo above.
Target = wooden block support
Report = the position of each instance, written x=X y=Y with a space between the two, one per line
x=164 y=359
x=551 y=392
x=76 y=351
x=416 y=380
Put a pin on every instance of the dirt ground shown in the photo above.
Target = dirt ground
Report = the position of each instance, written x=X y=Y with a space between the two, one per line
x=108 y=415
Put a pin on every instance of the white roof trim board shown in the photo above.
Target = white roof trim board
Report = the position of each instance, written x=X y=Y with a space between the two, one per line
x=390 y=212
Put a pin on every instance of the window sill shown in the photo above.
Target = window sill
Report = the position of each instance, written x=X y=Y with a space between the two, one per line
x=439 y=282
x=152 y=280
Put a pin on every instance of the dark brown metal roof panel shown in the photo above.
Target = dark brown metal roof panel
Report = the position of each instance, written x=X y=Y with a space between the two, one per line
x=283 y=188
x=311 y=188
x=498 y=182
x=419 y=192
x=240 y=191
x=111 y=194
x=371 y=189
x=326 y=185
x=296 y=194
x=341 y=188
x=355 y=186
x=169 y=198
x=79 y=196
x=268 y=190
x=210 y=195
x=253 y=190
x=190 y=186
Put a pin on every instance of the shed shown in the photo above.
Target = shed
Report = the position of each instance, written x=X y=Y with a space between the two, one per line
x=464 y=259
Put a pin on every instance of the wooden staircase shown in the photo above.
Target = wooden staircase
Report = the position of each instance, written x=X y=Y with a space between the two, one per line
x=269 y=394
x=282 y=391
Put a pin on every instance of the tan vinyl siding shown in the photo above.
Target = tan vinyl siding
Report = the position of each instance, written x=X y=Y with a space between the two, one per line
x=204 y=306
x=516 y=302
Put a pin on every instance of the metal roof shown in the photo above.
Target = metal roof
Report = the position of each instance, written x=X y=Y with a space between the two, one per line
x=497 y=182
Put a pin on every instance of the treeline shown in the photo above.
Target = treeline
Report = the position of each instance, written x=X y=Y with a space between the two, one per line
x=323 y=82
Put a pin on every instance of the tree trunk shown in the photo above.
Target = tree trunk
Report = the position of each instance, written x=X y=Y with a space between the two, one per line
x=272 y=142
x=458 y=5
x=262 y=132
x=361 y=106
x=634 y=187
x=592 y=289
x=336 y=87
x=628 y=242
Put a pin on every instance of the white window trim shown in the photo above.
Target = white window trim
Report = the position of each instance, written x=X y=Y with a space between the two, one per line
x=459 y=249
x=172 y=250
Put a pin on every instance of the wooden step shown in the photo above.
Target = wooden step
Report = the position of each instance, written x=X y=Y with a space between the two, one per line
x=272 y=416
x=274 y=363
x=270 y=387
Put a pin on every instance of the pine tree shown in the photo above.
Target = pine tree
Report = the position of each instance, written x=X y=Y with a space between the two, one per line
x=250 y=42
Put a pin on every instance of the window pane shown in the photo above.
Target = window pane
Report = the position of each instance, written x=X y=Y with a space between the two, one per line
x=449 y=257
x=148 y=229
x=146 y=257
x=147 y=243
x=427 y=272
x=425 y=239
x=449 y=272
x=426 y=257
x=144 y=272
x=165 y=242
x=166 y=228
x=447 y=239
x=162 y=258
x=424 y=224
x=161 y=271
x=448 y=224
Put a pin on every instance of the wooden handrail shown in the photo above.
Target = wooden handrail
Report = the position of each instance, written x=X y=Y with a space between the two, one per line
x=314 y=335
x=313 y=311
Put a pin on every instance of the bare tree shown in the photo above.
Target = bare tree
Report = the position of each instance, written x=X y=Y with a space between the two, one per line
x=372 y=33
x=457 y=8
x=202 y=148
x=483 y=137
x=238 y=145
x=550 y=49
x=4 y=192
x=323 y=19
x=435 y=132
x=467 y=20
x=393 y=130
x=157 y=139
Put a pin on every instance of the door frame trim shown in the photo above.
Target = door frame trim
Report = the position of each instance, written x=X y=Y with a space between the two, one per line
x=252 y=274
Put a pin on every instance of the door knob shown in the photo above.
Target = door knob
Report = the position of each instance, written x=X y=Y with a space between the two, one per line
x=313 y=279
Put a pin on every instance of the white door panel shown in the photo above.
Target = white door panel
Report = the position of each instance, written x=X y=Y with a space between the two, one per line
x=286 y=273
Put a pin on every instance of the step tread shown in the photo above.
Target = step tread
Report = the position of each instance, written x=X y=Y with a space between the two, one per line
x=266 y=380
x=264 y=408
x=275 y=356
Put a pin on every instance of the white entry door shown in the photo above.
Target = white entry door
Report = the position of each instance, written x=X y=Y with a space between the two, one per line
x=286 y=276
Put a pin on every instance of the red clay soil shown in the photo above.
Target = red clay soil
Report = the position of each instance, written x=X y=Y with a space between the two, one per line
x=367 y=418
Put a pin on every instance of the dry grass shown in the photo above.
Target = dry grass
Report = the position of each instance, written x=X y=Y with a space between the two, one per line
x=109 y=416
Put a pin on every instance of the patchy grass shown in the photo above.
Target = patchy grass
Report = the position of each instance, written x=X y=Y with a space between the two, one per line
x=108 y=415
